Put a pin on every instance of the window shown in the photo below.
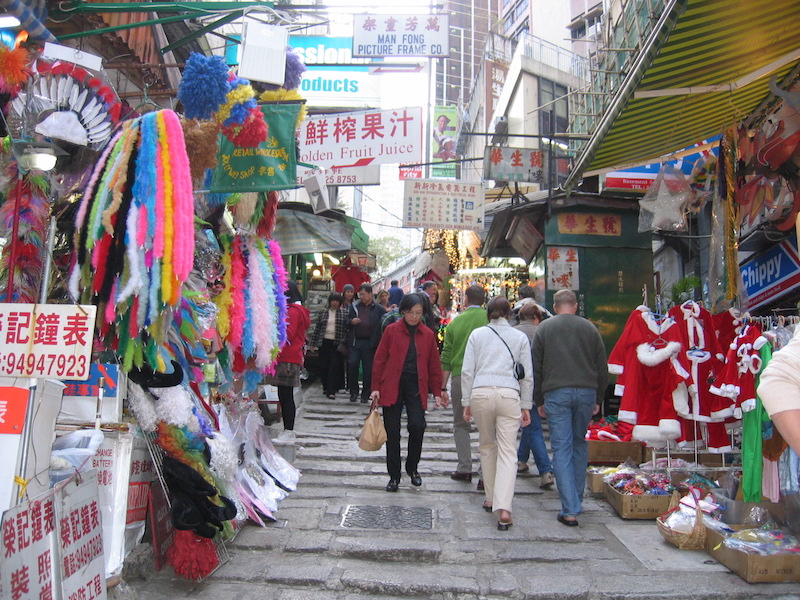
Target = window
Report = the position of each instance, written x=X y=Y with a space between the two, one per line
x=554 y=117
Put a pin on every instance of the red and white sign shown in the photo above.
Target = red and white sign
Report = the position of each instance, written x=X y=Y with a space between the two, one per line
x=410 y=173
x=401 y=35
x=358 y=139
x=440 y=204
x=13 y=406
x=623 y=180
x=80 y=540
x=562 y=268
x=28 y=551
x=46 y=340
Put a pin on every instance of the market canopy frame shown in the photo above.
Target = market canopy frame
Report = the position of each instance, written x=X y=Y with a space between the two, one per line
x=705 y=66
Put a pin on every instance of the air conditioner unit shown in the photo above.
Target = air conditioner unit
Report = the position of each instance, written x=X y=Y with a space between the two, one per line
x=501 y=124
x=263 y=52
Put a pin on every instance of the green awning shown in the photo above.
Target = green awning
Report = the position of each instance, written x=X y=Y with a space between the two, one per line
x=705 y=68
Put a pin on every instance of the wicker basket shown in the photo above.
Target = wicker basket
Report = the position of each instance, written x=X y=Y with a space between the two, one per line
x=694 y=540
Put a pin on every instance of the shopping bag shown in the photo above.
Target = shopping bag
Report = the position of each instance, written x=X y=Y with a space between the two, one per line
x=373 y=433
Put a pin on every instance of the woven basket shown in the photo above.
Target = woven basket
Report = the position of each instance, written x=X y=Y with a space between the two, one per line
x=694 y=540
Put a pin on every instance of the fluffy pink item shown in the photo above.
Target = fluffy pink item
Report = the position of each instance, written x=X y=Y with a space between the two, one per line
x=184 y=199
x=260 y=305
x=277 y=263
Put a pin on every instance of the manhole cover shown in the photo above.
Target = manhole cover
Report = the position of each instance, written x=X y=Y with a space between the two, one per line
x=388 y=517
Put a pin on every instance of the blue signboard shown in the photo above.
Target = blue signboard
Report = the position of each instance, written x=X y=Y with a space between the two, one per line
x=771 y=274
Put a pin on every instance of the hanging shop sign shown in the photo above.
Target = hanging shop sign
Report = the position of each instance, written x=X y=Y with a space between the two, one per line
x=502 y=163
x=28 y=552
x=80 y=539
x=772 y=274
x=46 y=340
x=437 y=204
x=358 y=139
x=365 y=262
x=589 y=224
x=444 y=141
x=401 y=35
x=270 y=166
x=562 y=268
x=495 y=74
x=524 y=238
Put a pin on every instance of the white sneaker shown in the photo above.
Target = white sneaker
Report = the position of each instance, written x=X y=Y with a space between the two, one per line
x=287 y=435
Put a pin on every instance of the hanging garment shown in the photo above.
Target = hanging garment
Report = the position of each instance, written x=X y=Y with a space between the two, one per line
x=727 y=325
x=737 y=381
x=752 y=420
x=651 y=378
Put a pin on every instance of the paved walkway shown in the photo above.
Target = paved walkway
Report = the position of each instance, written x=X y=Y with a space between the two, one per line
x=327 y=544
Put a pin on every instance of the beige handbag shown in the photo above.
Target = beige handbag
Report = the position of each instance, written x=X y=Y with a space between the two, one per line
x=373 y=433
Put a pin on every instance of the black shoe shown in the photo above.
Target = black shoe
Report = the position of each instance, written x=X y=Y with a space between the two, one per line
x=416 y=480
x=458 y=476
x=568 y=522
x=353 y=397
x=480 y=485
x=392 y=485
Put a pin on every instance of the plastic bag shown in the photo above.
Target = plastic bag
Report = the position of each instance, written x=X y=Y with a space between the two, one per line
x=664 y=205
x=77 y=447
x=373 y=433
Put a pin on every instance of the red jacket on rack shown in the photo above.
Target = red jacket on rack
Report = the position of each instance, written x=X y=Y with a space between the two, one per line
x=391 y=356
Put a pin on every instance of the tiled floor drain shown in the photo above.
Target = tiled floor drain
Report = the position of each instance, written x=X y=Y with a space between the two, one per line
x=387 y=517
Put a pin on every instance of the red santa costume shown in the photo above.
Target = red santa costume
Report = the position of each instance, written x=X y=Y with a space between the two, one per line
x=703 y=357
x=651 y=378
x=737 y=382
x=727 y=324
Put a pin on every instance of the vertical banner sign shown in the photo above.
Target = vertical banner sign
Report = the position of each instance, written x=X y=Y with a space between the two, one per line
x=440 y=204
x=28 y=552
x=501 y=163
x=401 y=35
x=444 y=141
x=160 y=524
x=562 y=268
x=80 y=539
x=495 y=74
x=46 y=340
x=358 y=139
x=270 y=166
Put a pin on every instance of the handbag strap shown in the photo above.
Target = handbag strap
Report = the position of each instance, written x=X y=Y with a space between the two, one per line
x=513 y=360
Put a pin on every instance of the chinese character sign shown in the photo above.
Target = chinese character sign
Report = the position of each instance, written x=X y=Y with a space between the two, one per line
x=501 y=163
x=27 y=558
x=562 y=268
x=443 y=204
x=270 y=166
x=495 y=74
x=46 y=340
x=401 y=35
x=590 y=224
x=358 y=139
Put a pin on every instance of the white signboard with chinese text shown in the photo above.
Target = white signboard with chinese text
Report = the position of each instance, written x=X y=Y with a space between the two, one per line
x=501 y=163
x=401 y=35
x=46 y=340
x=29 y=550
x=370 y=175
x=562 y=268
x=80 y=539
x=113 y=464
x=440 y=204
x=358 y=139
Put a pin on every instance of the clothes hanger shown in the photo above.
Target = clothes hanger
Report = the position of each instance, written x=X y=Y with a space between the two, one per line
x=146 y=101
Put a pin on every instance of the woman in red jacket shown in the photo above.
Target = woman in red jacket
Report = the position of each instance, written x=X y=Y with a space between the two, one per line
x=405 y=369
x=290 y=360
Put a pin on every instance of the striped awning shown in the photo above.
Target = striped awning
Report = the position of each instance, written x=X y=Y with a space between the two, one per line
x=707 y=68
x=303 y=233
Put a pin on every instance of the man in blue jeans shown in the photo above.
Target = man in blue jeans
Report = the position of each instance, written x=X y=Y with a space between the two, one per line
x=570 y=376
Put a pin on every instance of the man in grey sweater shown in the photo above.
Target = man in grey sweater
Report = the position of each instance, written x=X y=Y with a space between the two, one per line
x=570 y=376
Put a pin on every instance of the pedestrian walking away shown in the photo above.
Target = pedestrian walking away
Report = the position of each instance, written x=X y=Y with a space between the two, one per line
x=290 y=360
x=455 y=342
x=329 y=332
x=499 y=396
x=406 y=369
x=364 y=333
x=570 y=373
x=531 y=440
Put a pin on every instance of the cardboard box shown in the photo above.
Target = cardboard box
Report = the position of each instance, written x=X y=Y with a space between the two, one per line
x=614 y=453
x=753 y=568
x=645 y=506
x=706 y=459
x=596 y=485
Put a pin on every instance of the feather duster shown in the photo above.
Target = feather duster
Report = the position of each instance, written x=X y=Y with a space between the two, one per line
x=261 y=291
x=279 y=276
x=249 y=134
x=269 y=216
x=204 y=86
x=238 y=282
x=201 y=146
x=13 y=70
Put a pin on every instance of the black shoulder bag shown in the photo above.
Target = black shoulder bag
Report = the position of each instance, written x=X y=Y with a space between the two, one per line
x=519 y=369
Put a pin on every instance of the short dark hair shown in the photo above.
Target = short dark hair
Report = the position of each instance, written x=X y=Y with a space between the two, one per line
x=498 y=307
x=428 y=284
x=365 y=287
x=529 y=312
x=475 y=295
x=526 y=291
x=393 y=282
x=409 y=301
x=335 y=297
x=293 y=292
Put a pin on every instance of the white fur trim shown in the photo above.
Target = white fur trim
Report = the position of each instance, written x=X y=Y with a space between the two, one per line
x=615 y=369
x=619 y=389
x=607 y=435
x=748 y=405
x=721 y=450
x=648 y=433
x=670 y=428
x=759 y=343
x=680 y=401
x=651 y=357
x=720 y=415
x=628 y=416
x=679 y=367
x=737 y=413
